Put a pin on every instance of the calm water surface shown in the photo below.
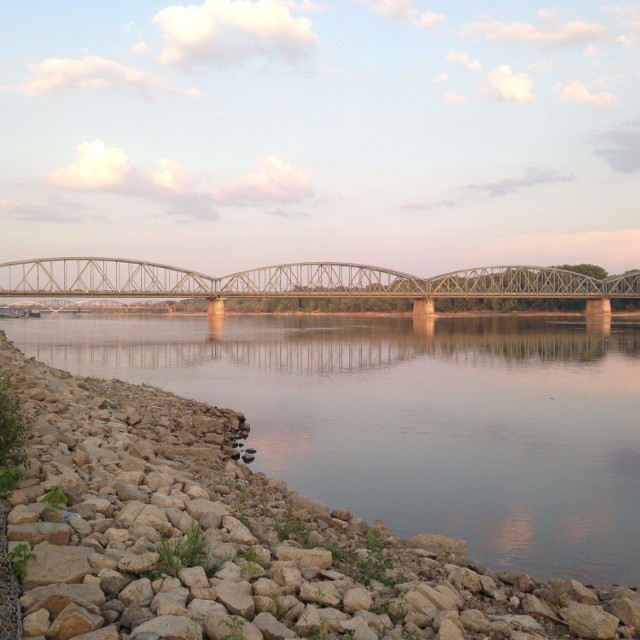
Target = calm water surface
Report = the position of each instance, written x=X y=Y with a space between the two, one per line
x=521 y=436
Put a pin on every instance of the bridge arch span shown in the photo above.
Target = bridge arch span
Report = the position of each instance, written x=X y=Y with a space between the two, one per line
x=91 y=277
x=515 y=281
x=625 y=285
x=314 y=279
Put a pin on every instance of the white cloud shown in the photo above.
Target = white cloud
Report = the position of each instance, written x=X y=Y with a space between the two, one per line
x=577 y=92
x=96 y=168
x=549 y=33
x=172 y=177
x=404 y=11
x=140 y=47
x=443 y=77
x=463 y=59
x=454 y=98
x=231 y=30
x=503 y=84
x=89 y=72
x=274 y=181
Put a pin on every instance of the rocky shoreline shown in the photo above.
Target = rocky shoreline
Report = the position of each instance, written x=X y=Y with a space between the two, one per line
x=163 y=534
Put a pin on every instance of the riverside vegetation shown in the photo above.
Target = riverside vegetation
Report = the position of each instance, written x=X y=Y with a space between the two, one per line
x=132 y=520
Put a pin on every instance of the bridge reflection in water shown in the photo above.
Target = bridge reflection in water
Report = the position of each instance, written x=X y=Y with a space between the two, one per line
x=319 y=350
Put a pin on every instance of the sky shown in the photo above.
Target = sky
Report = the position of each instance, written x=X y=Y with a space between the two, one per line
x=421 y=136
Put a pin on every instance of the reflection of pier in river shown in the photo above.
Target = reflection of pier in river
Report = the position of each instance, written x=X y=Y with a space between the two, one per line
x=319 y=350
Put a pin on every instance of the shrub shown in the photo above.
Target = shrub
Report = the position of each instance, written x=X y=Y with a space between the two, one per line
x=13 y=435
x=183 y=551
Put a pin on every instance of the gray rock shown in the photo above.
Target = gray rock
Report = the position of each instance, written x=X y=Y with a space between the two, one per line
x=72 y=621
x=217 y=626
x=357 y=599
x=134 y=615
x=589 y=621
x=168 y=628
x=171 y=603
x=449 y=631
x=139 y=593
x=322 y=593
x=54 y=564
x=309 y=622
x=236 y=597
x=317 y=557
x=628 y=611
x=270 y=628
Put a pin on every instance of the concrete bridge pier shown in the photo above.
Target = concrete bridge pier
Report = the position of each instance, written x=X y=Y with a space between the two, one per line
x=424 y=308
x=216 y=307
x=598 y=307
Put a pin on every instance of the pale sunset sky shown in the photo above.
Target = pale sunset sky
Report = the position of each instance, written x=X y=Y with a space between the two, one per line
x=424 y=136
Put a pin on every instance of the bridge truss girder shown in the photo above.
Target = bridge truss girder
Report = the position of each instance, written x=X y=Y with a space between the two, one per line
x=92 y=277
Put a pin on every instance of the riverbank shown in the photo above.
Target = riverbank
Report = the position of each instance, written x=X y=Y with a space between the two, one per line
x=137 y=463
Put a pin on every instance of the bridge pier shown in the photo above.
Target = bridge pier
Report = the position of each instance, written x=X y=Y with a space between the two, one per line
x=598 y=307
x=216 y=307
x=424 y=308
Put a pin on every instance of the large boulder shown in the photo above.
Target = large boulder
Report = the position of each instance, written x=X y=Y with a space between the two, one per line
x=54 y=564
x=590 y=622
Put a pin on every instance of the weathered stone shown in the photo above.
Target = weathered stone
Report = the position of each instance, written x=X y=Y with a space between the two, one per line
x=22 y=514
x=267 y=588
x=357 y=599
x=475 y=621
x=322 y=593
x=287 y=576
x=199 y=507
x=317 y=557
x=290 y=608
x=168 y=628
x=333 y=618
x=270 y=628
x=37 y=532
x=359 y=629
x=133 y=616
x=194 y=578
x=580 y=593
x=237 y=532
x=589 y=621
x=533 y=604
x=463 y=578
x=449 y=631
x=72 y=621
x=442 y=599
x=112 y=582
x=309 y=622
x=55 y=564
x=236 y=597
x=171 y=603
x=139 y=593
x=200 y=610
x=106 y=633
x=139 y=563
x=55 y=597
x=218 y=626
x=418 y=602
x=310 y=505
x=442 y=545
x=628 y=611
x=36 y=624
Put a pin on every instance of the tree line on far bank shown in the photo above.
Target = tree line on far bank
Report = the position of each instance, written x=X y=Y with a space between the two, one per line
x=393 y=305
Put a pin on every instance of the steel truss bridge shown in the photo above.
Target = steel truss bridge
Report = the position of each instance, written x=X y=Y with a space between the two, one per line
x=90 y=277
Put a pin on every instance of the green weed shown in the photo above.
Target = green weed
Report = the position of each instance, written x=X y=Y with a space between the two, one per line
x=56 y=497
x=19 y=557
x=188 y=550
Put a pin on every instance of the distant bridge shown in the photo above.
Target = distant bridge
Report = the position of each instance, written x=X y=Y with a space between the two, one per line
x=83 y=277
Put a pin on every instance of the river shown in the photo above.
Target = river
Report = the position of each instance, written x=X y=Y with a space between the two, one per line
x=520 y=435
